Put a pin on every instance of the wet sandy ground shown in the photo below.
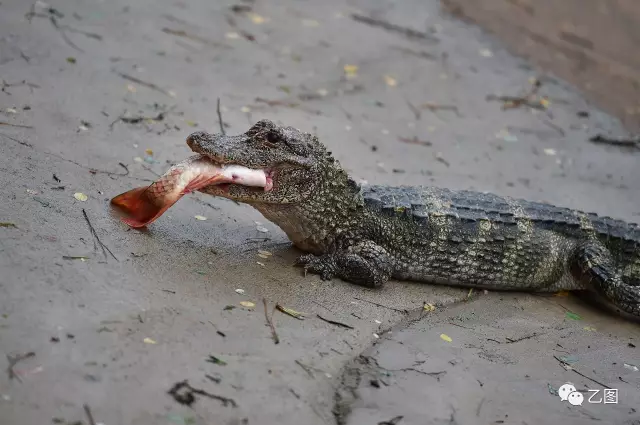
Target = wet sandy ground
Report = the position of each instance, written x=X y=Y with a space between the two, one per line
x=118 y=333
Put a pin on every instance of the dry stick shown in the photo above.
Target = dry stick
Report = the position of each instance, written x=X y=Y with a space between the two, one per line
x=276 y=340
x=382 y=305
x=95 y=235
x=14 y=360
x=64 y=35
x=335 y=322
x=15 y=125
x=145 y=84
x=581 y=374
x=87 y=410
x=220 y=118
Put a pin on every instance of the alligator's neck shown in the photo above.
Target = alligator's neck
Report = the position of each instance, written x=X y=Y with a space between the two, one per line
x=313 y=224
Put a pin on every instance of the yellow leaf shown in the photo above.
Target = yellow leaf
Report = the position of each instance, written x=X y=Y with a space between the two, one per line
x=429 y=307
x=80 y=196
x=149 y=341
x=200 y=217
x=257 y=19
x=445 y=337
x=561 y=294
x=391 y=82
x=191 y=123
x=245 y=109
x=351 y=70
x=262 y=252
x=589 y=328
x=545 y=102
x=247 y=304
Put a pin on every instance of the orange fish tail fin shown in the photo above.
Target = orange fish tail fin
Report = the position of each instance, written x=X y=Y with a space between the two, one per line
x=139 y=207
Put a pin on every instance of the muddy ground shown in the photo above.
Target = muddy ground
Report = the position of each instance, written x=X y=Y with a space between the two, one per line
x=98 y=97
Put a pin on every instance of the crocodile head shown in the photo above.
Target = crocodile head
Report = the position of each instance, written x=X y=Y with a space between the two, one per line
x=296 y=164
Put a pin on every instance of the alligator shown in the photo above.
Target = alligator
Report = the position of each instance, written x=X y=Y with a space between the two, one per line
x=368 y=234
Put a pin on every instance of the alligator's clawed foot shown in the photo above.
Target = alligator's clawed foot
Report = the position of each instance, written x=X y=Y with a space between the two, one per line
x=321 y=266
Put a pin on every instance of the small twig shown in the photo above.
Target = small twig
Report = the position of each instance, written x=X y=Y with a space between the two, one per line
x=274 y=334
x=97 y=238
x=392 y=421
x=87 y=410
x=567 y=366
x=511 y=341
x=220 y=118
x=14 y=360
x=64 y=35
x=382 y=305
x=415 y=110
x=187 y=395
x=415 y=141
x=184 y=34
x=460 y=326
x=407 y=32
x=15 y=125
x=616 y=142
x=334 y=322
x=145 y=84
x=305 y=368
x=137 y=119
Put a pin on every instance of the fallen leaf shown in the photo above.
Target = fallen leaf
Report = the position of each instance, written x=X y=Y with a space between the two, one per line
x=545 y=102
x=80 y=196
x=262 y=252
x=257 y=19
x=429 y=307
x=247 y=304
x=239 y=291
x=245 y=109
x=75 y=257
x=572 y=316
x=445 y=337
x=138 y=159
x=7 y=224
x=263 y=256
x=71 y=59
x=351 y=71
x=229 y=307
x=200 y=217
x=589 y=328
x=191 y=123
x=216 y=360
x=298 y=315
x=561 y=294
x=11 y=111
x=631 y=367
x=148 y=152
x=376 y=336
x=262 y=229
x=391 y=82
x=549 y=151
x=260 y=264
x=149 y=341
x=486 y=53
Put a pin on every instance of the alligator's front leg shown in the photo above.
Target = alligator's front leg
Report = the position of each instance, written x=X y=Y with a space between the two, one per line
x=365 y=264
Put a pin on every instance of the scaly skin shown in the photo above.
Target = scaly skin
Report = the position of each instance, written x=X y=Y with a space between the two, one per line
x=368 y=235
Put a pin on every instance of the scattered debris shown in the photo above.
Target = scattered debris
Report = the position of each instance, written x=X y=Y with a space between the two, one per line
x=274 y=335
x=240 y=291
x=14 y=360
x=149 y=341
x=184 y=393
x=407 y=32
x=334 y=322
x=567 y=366
x=290 y=312
x=215 y=360
x=631 y=143
x=530 y=99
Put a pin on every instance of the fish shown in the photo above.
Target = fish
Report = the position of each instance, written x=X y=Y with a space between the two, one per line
x=144 y=205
